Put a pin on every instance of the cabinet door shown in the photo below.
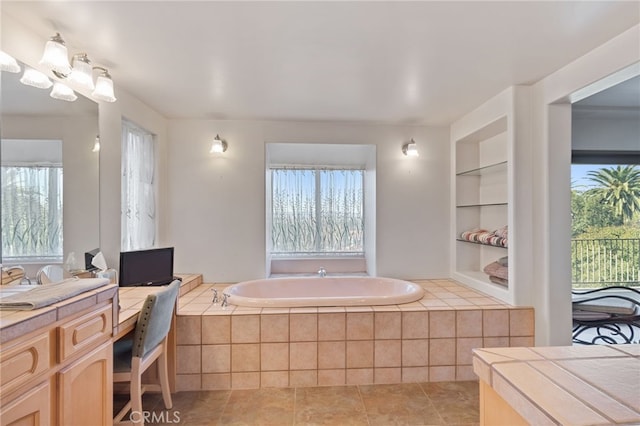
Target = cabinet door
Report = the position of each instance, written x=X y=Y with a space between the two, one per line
x=85 y=389
x=29 y=409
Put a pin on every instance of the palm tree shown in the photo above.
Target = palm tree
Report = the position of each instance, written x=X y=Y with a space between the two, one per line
x=620 y=188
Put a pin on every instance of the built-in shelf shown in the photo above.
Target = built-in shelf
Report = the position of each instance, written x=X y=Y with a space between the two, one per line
x=490 y=152
x=485 y=170
x=482 y=205
x=480 y=244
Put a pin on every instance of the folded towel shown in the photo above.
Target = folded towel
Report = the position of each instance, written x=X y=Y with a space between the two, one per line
x=500 y=281
x=494 y=269
x=482 y=236
x=45 y=295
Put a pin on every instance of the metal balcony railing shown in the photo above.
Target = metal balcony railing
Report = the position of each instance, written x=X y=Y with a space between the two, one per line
x=604 y=262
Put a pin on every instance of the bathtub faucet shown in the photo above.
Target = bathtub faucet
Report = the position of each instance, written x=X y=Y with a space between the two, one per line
x=322 y=272
x=225 y=299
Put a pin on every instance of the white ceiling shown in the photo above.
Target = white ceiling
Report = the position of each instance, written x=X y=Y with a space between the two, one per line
x=401 y=62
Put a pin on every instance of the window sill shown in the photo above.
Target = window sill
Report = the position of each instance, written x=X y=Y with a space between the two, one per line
x=311 y=264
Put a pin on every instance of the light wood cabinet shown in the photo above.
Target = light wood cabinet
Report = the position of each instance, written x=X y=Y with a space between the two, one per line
x=85 y=389
x=495 y=411
x=84 y=332
x=32 y=408
x=61 y=373
x=21 y=362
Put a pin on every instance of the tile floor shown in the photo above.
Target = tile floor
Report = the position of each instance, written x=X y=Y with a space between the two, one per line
x=442 y=403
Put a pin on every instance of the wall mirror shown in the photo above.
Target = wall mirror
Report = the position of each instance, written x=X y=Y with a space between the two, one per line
x=47 y=154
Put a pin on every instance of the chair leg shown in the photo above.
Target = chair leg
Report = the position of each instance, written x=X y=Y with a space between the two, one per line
x=136 y=392
x=163 y=375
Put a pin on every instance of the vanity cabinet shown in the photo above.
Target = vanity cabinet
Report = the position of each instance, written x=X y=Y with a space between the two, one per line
x=86 y=389
x=60 y=372
x=31 y=408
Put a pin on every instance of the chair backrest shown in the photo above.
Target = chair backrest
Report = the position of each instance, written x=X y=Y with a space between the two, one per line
x=154 y=320
x=50 y=274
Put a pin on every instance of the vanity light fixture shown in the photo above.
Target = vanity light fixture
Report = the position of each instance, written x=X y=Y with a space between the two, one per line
x=218 y=146
x=62 y=92
x=8 y=63
x=56 y=59
x=96 y=144
x=410 y=149
x=35 y=78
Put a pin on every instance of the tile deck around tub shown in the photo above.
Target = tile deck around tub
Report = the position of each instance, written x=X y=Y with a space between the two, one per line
x=429 y=340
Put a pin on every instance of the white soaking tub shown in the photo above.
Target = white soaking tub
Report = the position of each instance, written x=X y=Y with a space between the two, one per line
x=323 y=291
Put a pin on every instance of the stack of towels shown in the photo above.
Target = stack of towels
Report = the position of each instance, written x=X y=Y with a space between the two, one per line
x=498 y=271
x=498 y=237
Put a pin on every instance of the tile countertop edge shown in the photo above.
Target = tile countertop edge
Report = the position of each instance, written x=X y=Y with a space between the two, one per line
x=487 y=365
x=28 y=321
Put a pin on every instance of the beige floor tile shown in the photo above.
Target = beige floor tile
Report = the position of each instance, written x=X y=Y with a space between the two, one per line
x=399 y=404
x=411 y=403
x=333 y=405
x=201 y=406
x=259 y=407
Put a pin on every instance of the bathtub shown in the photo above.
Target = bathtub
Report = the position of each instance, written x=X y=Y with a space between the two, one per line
x=323 y=291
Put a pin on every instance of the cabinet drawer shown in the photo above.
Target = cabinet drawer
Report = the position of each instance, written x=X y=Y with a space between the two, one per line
x=20 y=363
x=86 y=331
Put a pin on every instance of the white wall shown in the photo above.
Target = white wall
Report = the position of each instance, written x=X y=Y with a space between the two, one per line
x=551 y=186
x=218 y=202
x=606 y=134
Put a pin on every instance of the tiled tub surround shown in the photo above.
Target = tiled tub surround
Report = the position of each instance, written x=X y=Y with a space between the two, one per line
x=425 y=341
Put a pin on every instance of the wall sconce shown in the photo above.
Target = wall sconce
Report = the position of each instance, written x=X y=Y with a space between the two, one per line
x=8 y=63
x=218 y=146
x=410 y=149
x=96 y=144
x=56 y=59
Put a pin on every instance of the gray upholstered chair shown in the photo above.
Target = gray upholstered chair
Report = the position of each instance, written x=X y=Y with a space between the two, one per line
x=132 y=356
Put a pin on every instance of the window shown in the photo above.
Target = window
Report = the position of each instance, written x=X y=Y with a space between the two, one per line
x=32 y=213
x=317 y=211
x=138 y=214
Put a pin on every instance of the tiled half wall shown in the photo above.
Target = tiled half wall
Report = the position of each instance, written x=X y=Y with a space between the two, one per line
x=428 y=340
